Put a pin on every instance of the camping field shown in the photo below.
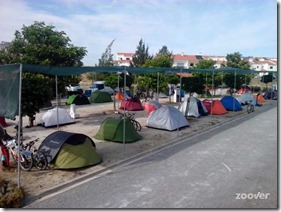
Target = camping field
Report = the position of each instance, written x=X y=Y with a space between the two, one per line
x=88 y=121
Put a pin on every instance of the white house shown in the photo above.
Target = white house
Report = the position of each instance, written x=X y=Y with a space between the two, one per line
x=123 y=59
x=184 y=61
x=263 y=66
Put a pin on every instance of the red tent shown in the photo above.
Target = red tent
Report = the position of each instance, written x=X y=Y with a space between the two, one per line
x=132 y=104
x=3 y=121
x=243 y=90
x=214 y=107
x=151 y=106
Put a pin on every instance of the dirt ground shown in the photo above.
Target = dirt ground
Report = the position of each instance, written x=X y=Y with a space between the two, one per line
x=88 y=121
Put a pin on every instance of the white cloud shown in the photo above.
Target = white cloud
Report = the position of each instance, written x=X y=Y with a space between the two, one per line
x=215 y=27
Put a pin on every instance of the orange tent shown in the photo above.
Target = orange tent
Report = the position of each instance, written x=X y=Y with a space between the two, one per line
x=260 y=98
x=119 y=96
x=214 y=107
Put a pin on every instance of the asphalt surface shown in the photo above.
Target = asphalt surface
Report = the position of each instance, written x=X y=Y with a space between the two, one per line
x=232 y=166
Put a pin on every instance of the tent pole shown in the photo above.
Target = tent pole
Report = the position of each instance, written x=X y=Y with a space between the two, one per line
x=20 y=122
x=57 y=102
x=124 y=118
x=235 y=90
x=157 y=98
x=206 y=86
x=213 y=92
x=180 y=87
x=118 y=88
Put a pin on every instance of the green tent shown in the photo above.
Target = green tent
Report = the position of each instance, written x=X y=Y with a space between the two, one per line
x=70 y=99
x=65 y=150
x=78 y=99
x=111 y=129
x=100 y=97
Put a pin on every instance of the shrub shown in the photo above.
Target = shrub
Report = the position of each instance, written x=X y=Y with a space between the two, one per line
x=10 y=195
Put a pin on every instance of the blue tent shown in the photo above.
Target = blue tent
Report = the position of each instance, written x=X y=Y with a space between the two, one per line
x=230 y=103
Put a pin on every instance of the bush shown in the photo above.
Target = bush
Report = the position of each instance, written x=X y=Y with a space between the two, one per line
x=10 y=195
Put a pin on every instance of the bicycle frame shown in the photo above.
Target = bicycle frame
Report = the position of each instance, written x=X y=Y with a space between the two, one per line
x=13 y=148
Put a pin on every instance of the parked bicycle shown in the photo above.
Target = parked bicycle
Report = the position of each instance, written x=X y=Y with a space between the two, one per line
x=130 y=117
x=40 y=160
x=250 y=106
x=29 y=156
x=24 y=157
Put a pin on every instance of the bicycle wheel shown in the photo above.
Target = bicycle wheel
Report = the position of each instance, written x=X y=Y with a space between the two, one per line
x=26 y=162
x=136 y=125
x=252 y=108
x=249 y=108
x=40 y=160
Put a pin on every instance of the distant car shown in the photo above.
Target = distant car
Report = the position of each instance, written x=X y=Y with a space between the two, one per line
x=74 y=89
x=99 y=86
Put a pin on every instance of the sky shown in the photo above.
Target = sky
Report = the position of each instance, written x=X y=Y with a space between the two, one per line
x=208 y=27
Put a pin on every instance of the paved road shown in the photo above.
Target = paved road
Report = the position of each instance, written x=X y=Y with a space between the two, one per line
x=233 y=166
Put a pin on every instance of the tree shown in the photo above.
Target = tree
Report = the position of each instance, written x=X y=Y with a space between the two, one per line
x=42 y=45
x=267 y=78
x=235 y=60
x=141 y=55
x=107 y=57
x=198 y=80
x=165 y=52
x=148 y=82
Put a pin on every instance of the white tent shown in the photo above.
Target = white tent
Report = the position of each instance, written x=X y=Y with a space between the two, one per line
x=247 y=97
x=167 y=118
x=56 y=116
x=193 y=107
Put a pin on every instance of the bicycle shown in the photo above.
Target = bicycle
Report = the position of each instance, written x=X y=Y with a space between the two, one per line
x=130 y=117
x=40 y=160
x=29 y=155
x=250 y=106
x=24 y=157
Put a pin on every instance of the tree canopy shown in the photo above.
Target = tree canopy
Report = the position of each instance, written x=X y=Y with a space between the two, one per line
x=141 y=55
x=39 y=44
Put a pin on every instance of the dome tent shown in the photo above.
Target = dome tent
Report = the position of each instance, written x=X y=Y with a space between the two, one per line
x=230 y=103
x=78 y=99
x=66 y=150
x=193 y=107
x=214 y=107
x=270 y=95
x=151 y=106
x=259 y=98
x=100 y=97
x=111 y=129
x=166 y=118
x=50 y=118
x=132 y=104
x=246 y=98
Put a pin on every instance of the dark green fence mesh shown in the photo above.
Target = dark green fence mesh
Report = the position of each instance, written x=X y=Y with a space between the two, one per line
x=9 y=90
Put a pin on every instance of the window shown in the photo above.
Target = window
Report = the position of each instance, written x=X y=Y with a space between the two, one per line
x=191 y=64
x=180 y=64
x=271 y=67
